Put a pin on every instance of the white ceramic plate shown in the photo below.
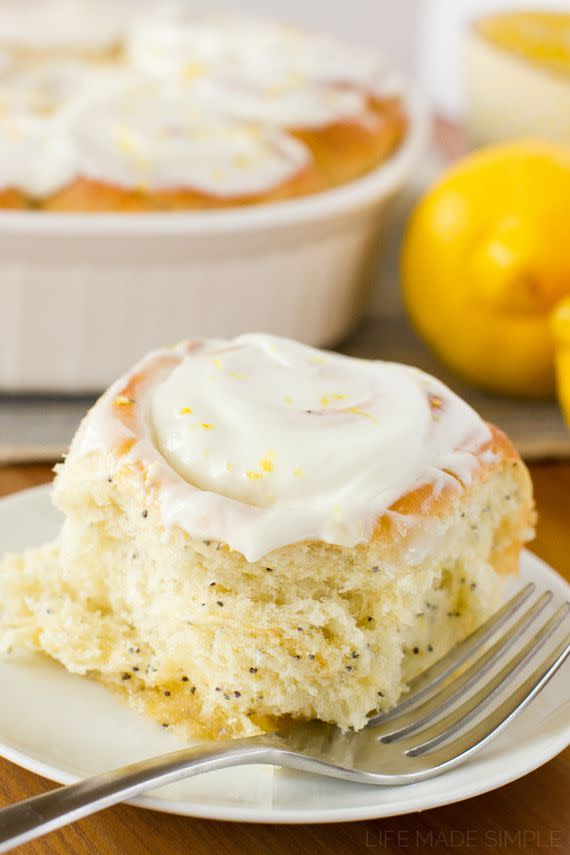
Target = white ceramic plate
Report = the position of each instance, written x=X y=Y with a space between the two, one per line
x=65 y=727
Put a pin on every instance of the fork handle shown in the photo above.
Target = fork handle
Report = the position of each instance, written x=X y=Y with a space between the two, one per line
x=33 y=817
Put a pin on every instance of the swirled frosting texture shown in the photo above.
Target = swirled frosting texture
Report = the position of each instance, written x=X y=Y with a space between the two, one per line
x=167 y=143
x=173 y=40
x=208 y=103
x=261 y=442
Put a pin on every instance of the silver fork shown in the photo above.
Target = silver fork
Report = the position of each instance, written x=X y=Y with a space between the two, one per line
x=429 y=732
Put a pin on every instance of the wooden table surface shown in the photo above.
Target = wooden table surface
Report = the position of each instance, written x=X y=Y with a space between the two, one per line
x=530 y=815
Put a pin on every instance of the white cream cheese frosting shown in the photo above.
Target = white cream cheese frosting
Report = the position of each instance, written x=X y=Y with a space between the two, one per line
x=310 y=105
x=137 y=137
x=57 y=89
x=173 y=40
x=260 y=442
x=34 y=156
x=257 y=69
x=151 y=141
x=89 y=26
x=38 y=107
x=205 y=102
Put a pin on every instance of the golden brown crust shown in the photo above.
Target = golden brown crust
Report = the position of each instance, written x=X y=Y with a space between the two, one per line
x=347 y=150
x=85 y=195
x=12 y=198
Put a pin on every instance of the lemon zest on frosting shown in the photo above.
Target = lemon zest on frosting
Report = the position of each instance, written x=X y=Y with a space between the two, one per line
x=266 y=464
x=358 y=412
x=241 y=161
x=194 y=70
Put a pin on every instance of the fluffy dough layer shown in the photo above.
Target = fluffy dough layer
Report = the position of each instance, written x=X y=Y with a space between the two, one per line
x=209 y=644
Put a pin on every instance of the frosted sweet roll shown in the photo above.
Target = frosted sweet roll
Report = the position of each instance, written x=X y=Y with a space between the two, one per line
x=161 y=109
x=256 y=529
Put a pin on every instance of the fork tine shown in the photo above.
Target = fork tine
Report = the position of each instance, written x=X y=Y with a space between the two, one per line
x=434 y=706
x=462 y=715
x=478 y=736
x=433 y=676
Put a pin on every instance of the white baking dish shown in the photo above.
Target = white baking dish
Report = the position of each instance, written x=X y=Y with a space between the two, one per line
x=84 y=295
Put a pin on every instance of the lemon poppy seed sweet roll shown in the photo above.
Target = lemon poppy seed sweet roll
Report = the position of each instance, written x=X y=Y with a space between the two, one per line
x=141 y=150
x=336 y=98
x=34 y=160
x=40 y=104
x=169 y=110
x=257 y=529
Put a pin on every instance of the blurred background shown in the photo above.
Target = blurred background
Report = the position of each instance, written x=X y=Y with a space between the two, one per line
x=482 y=73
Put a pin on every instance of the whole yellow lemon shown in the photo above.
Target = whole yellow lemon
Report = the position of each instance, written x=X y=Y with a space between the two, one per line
x=486 y=257
x=561 y=333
